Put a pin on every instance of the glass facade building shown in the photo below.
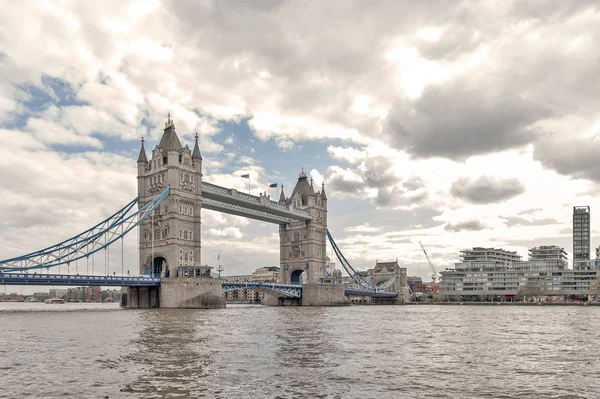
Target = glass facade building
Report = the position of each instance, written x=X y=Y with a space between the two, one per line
x=488 y=276
x=581 y=237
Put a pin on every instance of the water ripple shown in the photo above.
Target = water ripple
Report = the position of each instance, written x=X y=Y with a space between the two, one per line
x=260 y=352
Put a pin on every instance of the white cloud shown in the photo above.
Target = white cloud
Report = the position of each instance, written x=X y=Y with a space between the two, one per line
x=230 y=232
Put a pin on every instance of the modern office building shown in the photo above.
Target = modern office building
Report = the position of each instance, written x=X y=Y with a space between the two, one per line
x=544 y=274
x=548 y=252
x=479 y=254
x=581 y=236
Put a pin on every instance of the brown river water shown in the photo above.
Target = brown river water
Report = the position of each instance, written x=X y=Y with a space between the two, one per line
x=101 y=351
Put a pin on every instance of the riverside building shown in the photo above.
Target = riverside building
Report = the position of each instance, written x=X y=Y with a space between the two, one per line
x=581 y=236
x=496 y=274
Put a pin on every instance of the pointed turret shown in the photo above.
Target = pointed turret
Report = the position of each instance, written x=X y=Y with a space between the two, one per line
x=142 y=157
x=303 y=188
x=196 y=154
x=169 y=140
x=323 y=196
x=282 y=195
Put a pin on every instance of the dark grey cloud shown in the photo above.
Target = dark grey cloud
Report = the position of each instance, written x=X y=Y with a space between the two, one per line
x=456 y=121
x=486 y=189
x=519 y=221
x=398 y=197
x=467 y=225
x=377 y=172
x=340 y=183
x=576 y=157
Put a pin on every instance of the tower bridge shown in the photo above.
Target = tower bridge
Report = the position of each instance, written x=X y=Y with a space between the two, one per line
x=171 y=195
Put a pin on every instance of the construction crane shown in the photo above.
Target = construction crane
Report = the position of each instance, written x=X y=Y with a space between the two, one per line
x=434 y=274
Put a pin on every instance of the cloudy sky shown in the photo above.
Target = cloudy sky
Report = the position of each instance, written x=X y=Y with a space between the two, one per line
x=457 y=124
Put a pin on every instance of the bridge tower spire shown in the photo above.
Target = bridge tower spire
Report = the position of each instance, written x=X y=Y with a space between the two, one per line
x=170 y=240
x=282 y=195
x=302 y=244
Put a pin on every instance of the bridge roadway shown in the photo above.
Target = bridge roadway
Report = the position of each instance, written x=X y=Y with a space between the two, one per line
x=286 y=290
x=77 y=280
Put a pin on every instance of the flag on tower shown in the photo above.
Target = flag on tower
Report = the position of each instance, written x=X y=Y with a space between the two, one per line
x=246 y=176
x=273 y=185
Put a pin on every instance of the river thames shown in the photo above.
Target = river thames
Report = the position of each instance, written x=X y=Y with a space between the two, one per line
x=101 y=351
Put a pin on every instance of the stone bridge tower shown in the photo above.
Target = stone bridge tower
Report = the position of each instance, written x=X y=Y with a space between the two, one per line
x=302 y=244
x=170 y=240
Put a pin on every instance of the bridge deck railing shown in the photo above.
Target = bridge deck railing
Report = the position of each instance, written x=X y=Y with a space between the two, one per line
x=76 y=279
x=251 y=198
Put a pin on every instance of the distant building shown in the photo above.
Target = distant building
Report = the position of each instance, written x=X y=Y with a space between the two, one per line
x=479 y=254
x=581 y=236
x=235 y=296
x=269 y=273
x=412 y=281
x=545 y=274
x=41 y=296
x=426 y=288
x=57 y=293
x=548 y=252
